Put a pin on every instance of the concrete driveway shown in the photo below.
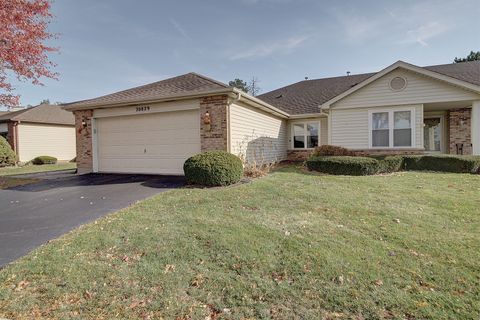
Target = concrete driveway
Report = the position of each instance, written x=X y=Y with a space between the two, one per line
x=33 y=214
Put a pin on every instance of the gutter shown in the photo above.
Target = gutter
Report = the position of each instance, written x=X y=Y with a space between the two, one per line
x=241 y=96
x=232 y=92
x=98 y=105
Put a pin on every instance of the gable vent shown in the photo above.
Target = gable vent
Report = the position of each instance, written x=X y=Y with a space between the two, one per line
x=398 y=83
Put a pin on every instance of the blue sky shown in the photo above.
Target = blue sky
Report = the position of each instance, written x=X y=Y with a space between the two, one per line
x=110 y=45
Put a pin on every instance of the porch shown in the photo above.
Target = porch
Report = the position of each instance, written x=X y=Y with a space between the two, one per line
x=452 y=128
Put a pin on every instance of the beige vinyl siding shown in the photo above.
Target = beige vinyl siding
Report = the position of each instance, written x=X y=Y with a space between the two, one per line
x=256 y=135
x=420 y=89
x=156 y=143
x=45 y=140
x=323 y=131
x=350 y=127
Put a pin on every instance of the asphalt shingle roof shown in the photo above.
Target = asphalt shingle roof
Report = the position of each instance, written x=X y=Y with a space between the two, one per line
x=306 y=96
x=44 y=113
x=190 y=83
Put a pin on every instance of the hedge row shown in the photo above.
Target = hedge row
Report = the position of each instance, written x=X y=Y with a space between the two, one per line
x=44 y=160
x=359 y=166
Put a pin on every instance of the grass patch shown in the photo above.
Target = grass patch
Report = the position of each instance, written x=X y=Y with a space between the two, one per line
x=289 y=245
x=8 y=171
x=6 y=182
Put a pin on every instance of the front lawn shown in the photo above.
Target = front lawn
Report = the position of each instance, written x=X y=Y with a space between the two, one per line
x=7 y=182
x=289 y=245
x=9 y=171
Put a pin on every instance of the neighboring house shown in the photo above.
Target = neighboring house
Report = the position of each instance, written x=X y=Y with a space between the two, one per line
x=401 y=109
x=41 y=130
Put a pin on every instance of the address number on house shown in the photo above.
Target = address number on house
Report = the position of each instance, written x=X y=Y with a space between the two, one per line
x=142 y=109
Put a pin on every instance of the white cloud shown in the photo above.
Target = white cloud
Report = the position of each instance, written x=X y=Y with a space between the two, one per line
x=425 y=32
x=270 y=48
x=179 y=28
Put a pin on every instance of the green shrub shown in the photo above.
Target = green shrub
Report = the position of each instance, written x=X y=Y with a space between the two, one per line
x=7 y=155
x=353 y=166
x=329 y=150
x=443 y=163
x=388 y=164
x=213 y=168
x=44 y=160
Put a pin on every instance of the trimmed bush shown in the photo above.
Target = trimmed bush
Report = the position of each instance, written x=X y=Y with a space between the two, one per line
x=213 y=168
x=7 y=156
x=353 y=166
x=443 y=163
x=388 y=164
x=329 y=150
x=44 y=160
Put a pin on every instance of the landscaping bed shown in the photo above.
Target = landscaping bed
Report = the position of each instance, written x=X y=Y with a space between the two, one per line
x=291 y=245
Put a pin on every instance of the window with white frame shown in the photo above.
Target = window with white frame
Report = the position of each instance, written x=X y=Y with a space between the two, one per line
x=392 y=129
x=305 y=135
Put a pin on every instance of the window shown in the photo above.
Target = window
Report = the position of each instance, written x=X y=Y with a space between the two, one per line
x=402 y=132
x=305 y=135
x=380 y=130
x=391 y=129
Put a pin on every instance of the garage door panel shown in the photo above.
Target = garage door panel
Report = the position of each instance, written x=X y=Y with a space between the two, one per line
x=145 y=151
x=154 y=143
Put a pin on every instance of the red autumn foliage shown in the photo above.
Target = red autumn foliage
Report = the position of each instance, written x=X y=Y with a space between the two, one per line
x=23 y=52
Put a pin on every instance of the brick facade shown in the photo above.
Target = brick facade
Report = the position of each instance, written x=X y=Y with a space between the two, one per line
x=212 y=137
x=215 y=135
x=84 y=140
x=460 y=128
x=387 y=152
x=12 y=135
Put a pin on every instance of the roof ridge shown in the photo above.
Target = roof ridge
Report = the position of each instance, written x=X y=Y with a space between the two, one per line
x=209 y=79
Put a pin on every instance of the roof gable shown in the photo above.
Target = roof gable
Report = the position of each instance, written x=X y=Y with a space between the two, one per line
x=419 y=89
x=44 y=113
x=307 y=96
x=406 y=66
x=190 y=83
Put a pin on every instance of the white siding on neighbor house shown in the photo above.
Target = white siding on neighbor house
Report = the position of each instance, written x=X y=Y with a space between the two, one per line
x=3 y=127
x=420 y=89
x=45 y=140
x=256 y=135
x=350 y=127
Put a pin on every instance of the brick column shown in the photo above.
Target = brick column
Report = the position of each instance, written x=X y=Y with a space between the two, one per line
x=214 y=137
x=12 y=136
x=460 y=129
x=83 y=127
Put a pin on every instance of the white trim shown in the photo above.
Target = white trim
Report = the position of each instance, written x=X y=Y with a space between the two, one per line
x=442 y=131
x=407 y=66
x=94 y=145
x=391 y=126
x=292 y=135
x=475 y=122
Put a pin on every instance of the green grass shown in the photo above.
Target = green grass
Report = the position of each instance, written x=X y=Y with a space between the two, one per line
x=8 y=171
x=292 y=245
x=7 y=182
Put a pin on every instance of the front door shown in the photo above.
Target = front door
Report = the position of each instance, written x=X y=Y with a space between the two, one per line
x=432 y=134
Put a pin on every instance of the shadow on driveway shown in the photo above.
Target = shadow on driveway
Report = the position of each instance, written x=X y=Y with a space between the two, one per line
x=31 y=215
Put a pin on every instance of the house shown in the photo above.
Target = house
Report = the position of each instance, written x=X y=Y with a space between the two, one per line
x=401 y=109
x=41 y=130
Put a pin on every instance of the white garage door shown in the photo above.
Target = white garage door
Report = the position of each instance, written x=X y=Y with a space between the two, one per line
x=156 y=143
